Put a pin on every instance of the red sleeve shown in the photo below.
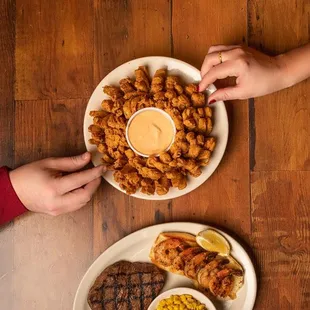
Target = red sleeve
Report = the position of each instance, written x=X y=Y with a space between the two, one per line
x=10 y=205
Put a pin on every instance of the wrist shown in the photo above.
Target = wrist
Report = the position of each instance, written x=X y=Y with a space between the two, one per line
x=18 y=189
x=286 y=78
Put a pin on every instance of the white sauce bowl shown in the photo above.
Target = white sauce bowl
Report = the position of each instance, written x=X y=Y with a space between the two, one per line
x=144 y=110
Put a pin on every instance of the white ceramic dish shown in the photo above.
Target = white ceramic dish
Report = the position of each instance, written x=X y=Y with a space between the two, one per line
x=136 y=247
x=150 y=109
x=180 y=291
x=188 y=74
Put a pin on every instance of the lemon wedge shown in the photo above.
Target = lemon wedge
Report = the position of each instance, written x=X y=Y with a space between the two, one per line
x=211 y=240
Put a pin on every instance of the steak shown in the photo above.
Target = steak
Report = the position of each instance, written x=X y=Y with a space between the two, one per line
x=126 y=286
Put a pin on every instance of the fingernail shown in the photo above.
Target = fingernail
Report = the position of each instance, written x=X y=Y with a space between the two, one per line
x=85 y=156
x=212 y=101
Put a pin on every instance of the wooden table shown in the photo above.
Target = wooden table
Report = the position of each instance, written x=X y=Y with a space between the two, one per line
x=52 y=55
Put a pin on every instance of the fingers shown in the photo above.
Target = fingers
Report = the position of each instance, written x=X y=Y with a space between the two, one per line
x=68 y=164
x=213 y=59
x=218 y=72
x=75 y=180
x=89 y=189
x=234 y=62
x=78 y=198
x=81 y=196
x=228 y=93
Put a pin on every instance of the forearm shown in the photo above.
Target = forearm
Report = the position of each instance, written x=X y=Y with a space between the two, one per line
x=296 y=65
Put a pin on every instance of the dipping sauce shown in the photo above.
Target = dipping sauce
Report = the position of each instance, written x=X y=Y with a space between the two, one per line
x=151 y=132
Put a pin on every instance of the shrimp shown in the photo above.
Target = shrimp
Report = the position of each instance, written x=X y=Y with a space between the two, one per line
x=203 y=276
x=223 y=282
x=197 y=262
x=189 y=253
x=167 y=252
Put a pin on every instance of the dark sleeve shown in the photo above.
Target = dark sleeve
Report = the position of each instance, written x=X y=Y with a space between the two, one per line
x=10 y=205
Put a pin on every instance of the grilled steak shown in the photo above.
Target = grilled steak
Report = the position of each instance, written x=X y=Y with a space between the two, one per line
x=126 y=286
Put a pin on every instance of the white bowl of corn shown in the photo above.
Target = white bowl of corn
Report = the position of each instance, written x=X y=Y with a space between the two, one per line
x=181 y=298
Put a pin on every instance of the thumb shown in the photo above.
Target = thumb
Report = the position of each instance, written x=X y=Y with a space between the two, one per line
x=69 y=164
x=228 y=93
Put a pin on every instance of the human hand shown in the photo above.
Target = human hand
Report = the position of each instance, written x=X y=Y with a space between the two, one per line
x=257 y=74
x=42 y=187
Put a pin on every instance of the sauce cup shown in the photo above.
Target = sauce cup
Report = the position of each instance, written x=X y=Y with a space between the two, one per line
x=142 y=111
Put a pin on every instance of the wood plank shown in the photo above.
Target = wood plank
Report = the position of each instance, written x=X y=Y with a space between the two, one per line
x=144 y=31
x=7 y=39
x=281 y=238
x=281 y=119
x=197 y=25
x=48 y=128
x=54 y=49
x=116 y=215
x=61 y=247
x=224 y=199
x=7 y=42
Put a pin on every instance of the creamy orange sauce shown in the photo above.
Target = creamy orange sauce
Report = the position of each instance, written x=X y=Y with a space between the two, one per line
x=150 y=132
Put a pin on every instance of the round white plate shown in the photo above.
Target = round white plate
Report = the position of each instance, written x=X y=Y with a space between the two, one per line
x=136 y=247
x=189 y=74
x=181 y=291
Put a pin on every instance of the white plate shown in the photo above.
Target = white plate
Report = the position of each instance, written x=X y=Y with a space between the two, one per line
x=137 y=246
x=180 y=291
x=189 y=74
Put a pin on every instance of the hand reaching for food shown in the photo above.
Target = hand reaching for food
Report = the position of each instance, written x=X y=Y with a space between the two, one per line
x=257 y=74
x=54 y=185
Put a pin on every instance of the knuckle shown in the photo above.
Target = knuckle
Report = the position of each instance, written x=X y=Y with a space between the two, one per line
x=212 y=73
x=240 y=51
x=211 y=49
x=51 y=209
x=206 y=60
x=243 y=63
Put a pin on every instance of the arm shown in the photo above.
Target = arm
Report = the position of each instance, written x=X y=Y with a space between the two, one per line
x=50 y=186
x=257 y=74
x=296 y=65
